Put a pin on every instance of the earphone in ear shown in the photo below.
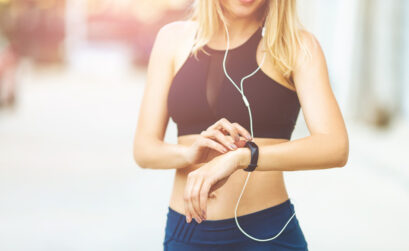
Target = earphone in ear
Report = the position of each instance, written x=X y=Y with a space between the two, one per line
x=246 y=102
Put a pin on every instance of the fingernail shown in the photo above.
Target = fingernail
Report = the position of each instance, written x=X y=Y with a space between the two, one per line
x=248 y=137
x=233 y=146
x=188 y=219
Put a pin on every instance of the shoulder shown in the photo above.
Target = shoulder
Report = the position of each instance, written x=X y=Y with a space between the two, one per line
x=309 y=40
x=309 y=48
x=172 y=40
x=307 y=37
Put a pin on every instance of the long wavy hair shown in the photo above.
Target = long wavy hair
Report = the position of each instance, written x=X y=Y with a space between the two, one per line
x=282 y=35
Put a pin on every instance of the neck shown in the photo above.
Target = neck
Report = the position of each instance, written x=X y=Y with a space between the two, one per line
x=239 y=27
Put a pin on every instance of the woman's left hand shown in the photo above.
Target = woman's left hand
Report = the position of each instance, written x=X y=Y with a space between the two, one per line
x=204 y=180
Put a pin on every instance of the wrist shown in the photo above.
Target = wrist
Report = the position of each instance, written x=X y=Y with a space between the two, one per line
x=243 y=155
x=187 y=155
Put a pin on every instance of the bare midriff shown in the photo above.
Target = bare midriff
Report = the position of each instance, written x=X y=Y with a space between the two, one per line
x=264 y=188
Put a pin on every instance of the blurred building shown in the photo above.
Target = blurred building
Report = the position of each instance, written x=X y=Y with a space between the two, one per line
x=66 y=31
x=34 y=28
x=366 y=45
x=132 y=23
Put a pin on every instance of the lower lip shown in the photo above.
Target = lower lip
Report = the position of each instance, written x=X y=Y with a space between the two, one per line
x=246 y=1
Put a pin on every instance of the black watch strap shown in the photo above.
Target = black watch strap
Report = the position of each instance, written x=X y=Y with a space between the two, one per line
x=254 y=156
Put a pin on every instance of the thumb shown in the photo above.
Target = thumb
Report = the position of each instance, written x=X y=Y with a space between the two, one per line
x=240 y=143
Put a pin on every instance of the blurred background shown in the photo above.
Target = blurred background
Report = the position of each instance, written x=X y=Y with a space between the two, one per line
x=72 y=74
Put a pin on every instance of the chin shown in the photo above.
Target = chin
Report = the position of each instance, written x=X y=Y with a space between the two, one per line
x=242 y=8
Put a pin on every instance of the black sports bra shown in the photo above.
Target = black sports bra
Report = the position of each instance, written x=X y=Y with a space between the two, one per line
x=200 y=94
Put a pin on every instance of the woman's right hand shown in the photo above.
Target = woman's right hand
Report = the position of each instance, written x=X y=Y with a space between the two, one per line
x=222 y=136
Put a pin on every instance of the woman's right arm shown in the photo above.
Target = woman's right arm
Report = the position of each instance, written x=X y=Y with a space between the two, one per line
x=149 y=149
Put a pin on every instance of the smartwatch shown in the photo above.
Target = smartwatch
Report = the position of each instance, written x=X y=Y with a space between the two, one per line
x=254 y=156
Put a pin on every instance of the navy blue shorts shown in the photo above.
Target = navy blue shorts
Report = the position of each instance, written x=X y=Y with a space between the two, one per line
x=225 y=235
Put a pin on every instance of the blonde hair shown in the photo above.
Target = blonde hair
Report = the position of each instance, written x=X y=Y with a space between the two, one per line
x=282 y=35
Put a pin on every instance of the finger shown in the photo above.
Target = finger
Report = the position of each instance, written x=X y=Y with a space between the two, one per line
x=230 y=128
x=192 y=210
x=204 y=193
x=217 y=136
x=225 y=126
x=226 y=140
x=207 y=140
x=195 y=199
x=186 y=198
x=242 y=130
x=242 y=143
x=224 y=131
x=187 y=213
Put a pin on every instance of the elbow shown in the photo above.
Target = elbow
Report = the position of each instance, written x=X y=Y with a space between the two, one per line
x=138 y=156
x=342 y=152
x=342 y=158
x=143 y=154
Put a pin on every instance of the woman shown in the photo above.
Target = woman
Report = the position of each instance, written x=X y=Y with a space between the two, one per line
x=191 y=79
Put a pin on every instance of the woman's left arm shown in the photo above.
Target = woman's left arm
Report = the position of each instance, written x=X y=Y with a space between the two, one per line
x=328 y=144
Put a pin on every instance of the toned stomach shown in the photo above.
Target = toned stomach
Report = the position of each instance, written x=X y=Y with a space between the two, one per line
x=264 y=188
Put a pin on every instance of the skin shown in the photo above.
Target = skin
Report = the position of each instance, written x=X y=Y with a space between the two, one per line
x=208 y=179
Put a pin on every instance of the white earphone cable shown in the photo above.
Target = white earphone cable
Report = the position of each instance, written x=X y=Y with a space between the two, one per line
x=251 y=129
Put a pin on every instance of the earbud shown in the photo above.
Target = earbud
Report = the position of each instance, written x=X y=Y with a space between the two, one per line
x=263 y=31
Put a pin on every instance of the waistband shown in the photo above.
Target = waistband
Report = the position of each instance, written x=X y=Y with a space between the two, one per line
x=260 y=224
